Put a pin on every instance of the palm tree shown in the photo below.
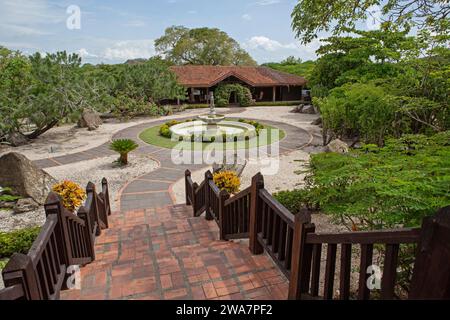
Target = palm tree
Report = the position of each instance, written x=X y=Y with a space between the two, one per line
x=123 y=147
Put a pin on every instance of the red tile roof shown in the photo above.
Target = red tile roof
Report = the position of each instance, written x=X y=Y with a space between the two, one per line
x=208 y=76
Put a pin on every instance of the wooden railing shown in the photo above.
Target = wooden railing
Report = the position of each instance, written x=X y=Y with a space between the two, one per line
x=66 y=239
x=297 y=250
x=230 y=212
x=310 y=260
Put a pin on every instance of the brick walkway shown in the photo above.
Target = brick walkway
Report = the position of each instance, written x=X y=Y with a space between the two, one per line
x=165 y=253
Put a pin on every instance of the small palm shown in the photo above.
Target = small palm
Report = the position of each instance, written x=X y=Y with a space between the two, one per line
x=123 y=147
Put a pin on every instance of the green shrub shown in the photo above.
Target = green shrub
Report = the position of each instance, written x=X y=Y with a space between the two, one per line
x=276 y=103
x=294 y=200
x=19 y=241
x=258 y=126
x=123 y=147
x=223 y=93
x=377 y=188
x=7 y=195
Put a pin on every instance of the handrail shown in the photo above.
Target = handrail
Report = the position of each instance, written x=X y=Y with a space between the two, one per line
x=405 y=236
x=284 y=213
x=239 y=196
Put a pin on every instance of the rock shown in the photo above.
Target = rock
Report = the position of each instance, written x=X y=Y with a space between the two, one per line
x=317 y=122
x=25 y=205
x=7 y=204
x=309 y=109
x=298 y=109
x=90 y=119
x=338 y=146
x=24 y=178
x=17 y=139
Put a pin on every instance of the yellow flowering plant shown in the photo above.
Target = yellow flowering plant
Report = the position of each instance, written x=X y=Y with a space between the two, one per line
x=227 y=180
x=71 y=193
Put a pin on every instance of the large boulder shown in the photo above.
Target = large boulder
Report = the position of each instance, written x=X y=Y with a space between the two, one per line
x=17 y=139
x=338 y=146
x=24 y=178
x=90 y=119
x=309 y=109
x=25 y=205
x=298 y=109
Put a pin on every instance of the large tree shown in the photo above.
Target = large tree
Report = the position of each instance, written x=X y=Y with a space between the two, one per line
x=202 y=46
x=311 y=17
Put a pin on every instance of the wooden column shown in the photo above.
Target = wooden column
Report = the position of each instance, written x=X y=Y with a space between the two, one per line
x=255 y=214
x=208 y=178
x=20 y=271
x=274 y=97
x=431 y=278
x=301 y=257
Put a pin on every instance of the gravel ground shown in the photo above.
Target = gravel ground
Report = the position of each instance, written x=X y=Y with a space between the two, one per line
x=82 y=173
x=95 y=170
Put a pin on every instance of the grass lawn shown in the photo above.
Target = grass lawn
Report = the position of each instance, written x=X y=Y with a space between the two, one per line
x=151 y=136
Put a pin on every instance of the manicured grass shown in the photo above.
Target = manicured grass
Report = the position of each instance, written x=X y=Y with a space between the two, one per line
x=151 y=136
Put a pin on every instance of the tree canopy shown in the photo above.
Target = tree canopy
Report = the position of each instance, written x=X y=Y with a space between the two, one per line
x=201 y=46
x=310 y=17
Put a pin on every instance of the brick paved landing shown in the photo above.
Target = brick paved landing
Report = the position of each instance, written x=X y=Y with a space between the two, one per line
x=164 y=253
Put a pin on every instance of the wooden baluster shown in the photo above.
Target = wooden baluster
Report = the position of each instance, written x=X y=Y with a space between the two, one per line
x=289 y=240
x=255 y=214
x=282 y=241
x=187 y=188
x=366 y=261
x=346 y=259
x=223 y=218
x=315 y=277
x=87 y=235
x=20 y=271
x=270 y=223
x=300 y=271
x=330 y=270
x=207 y=192
x=275 y=230
x=389 y=272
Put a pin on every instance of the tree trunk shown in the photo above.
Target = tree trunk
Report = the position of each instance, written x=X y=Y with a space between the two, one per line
x=123 y=158
x=36 y=133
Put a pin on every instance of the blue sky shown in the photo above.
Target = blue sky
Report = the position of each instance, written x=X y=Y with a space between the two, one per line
x=114 y=31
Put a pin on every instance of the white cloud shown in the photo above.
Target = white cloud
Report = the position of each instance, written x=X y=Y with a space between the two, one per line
x=84 y=54
x=29 y=17
x=267 y=2
x=261 y=42
x=247 y=17
x=129 y=49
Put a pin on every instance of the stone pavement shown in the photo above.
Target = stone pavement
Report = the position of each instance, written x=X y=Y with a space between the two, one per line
x=165 y=253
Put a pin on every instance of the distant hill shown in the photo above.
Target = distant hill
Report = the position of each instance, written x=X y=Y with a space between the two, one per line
x=303 y=69
x=136 y=61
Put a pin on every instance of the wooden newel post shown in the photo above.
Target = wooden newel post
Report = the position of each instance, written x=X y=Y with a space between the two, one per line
x=431 y=276
x=187 y=174
x=105 y=191
x=20 y=271
x=91 y=194
x=208 y=178
x=53 y=205
x=301 y=256
x=223 y=222
x=255 y=214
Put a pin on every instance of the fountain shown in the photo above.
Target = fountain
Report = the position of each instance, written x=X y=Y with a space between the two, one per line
x=212 y=127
